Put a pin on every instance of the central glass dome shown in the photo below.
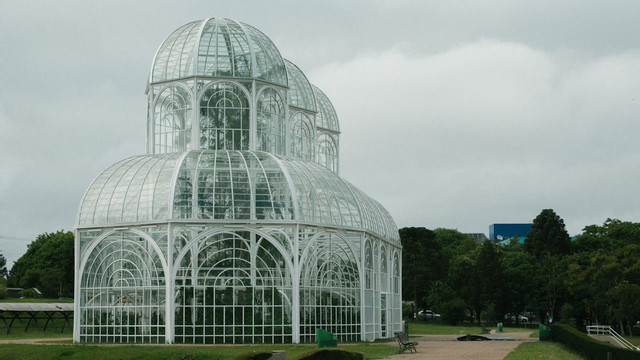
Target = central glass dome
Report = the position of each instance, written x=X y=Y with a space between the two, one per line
x=218 y=48
x=235 y=227
x=218 y=84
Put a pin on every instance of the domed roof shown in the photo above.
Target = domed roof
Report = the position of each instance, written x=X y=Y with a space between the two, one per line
x=326 y=117
x=220 y=48
x=300 y=91
x=229 y=187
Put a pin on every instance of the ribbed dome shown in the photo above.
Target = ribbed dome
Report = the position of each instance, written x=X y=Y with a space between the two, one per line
x=228 y=186
x=300 y=91
x=326 y=117
x=218 y=48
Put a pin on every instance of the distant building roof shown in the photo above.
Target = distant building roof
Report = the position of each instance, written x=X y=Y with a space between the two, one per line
x=478 y=237
x=504 y=231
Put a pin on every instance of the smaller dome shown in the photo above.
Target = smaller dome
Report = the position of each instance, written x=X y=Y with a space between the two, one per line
x=300 y=91
x=326 y=118
x=220 y=48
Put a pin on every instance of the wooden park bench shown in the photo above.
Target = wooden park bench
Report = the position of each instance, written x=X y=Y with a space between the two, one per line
x=404 y=343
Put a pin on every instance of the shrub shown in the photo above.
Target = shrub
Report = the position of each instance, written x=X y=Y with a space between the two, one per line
x=588 y=347
x=29 y=294
x=453 y=311
x=3 y=292
x=332 y=354
x=253 y=356
x=407 y=310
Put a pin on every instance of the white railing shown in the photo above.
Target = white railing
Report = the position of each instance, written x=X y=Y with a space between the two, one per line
x=607 y=330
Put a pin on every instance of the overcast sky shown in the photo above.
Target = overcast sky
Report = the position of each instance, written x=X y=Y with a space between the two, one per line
x=454 y=114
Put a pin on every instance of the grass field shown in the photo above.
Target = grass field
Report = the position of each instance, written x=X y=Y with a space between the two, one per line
x=635 y=340
x=542 y=350
x=220 y=352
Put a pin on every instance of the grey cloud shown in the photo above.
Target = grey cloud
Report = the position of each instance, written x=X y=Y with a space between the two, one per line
x=453 y=113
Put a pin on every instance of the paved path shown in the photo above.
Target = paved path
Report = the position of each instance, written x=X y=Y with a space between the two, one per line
x=36 y=341
x=447 y=347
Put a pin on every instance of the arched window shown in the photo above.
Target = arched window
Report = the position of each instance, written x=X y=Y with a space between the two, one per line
x=122 y=292
x=271 y=122
x=301 y=137
x=396 y=273
x=330 y=290
x=368 y=266
x=384 y=272
x=172 y=120
x=327 y=154
x=224 y=118
x=233 y=288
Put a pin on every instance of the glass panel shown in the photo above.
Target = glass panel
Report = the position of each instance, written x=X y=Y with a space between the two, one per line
x=271 y=122
x=175 y=56
x=122 y=292
x=326 y=117
x=330 y=290
x=172 y=120
x=224 y=50
x=300 y=91
x=302 y=137
x=224 y=118
x=327 y=154
x=234 y=288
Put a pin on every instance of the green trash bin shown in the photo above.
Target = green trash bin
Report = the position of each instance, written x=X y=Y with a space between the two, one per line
x=326 y=339
x=544 y=332
x=500 y=327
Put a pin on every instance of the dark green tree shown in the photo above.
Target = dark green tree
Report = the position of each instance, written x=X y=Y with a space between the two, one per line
x=47 y=265
x=519 y=271
x=548 y=235
x=488 y=282
x=3 y=266
x=421 y=263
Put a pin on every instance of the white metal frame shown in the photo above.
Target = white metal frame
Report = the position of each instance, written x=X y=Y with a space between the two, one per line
x=233 y=245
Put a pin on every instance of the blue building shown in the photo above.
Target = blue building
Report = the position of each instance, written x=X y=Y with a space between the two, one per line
x=499 y=232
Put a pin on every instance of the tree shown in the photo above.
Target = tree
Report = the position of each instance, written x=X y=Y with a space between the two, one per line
x=519 y=271
x=625 y=301
x=420 y=263
x=3 y=266
x=47 y=265
x=460 y=278
x=488 y=281
x=603 y=272
x=548 y=235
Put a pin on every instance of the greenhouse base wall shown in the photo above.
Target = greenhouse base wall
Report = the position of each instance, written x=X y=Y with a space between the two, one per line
x=231 y=284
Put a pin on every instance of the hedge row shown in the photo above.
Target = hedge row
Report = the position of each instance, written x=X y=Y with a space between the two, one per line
x=322 y=354
x=587 y=346
x=332 y=354
x=254 y=356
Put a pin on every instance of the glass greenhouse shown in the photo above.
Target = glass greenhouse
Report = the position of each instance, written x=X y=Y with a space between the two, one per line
x=235 y=227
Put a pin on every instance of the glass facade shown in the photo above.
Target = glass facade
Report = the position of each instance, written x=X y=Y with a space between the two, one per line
x=235 y=227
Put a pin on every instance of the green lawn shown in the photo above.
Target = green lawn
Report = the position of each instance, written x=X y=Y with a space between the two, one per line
x=126 y=352
x=427 y=328
x=635 y=340
x=542 y=350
